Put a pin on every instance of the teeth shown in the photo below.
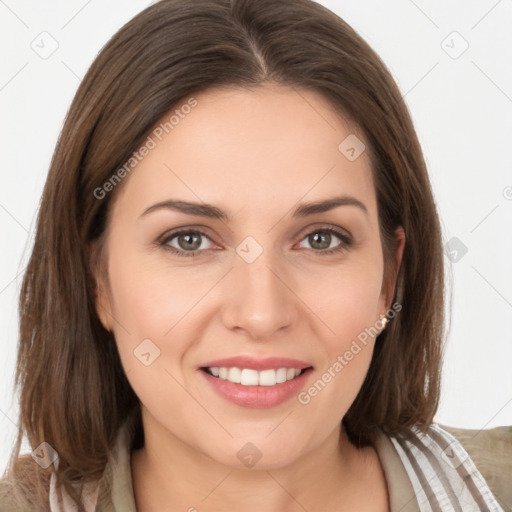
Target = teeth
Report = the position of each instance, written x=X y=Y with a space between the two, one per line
x=249 y=377
x=234 y=375
x=281 y=375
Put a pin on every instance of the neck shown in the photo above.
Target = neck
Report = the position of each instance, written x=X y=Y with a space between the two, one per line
x=171 y=475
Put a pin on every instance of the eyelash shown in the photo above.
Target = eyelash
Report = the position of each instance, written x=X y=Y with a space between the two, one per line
x=346 y=241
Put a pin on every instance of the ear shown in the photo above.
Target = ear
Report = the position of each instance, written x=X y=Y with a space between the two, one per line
x=102 y=300
x=389 y=284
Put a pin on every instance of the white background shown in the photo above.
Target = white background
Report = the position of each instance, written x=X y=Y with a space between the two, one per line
x=462 y=108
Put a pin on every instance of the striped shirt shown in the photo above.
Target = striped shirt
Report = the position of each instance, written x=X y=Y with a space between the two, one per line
x=443 y=476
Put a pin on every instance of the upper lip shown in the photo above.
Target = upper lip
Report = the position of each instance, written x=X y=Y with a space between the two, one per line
x=267 y=363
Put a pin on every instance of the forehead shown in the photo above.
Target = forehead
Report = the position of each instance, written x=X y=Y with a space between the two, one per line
x=247 y=149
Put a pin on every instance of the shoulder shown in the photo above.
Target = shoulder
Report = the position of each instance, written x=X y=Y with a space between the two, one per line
x=11 y=499
x=6 y=496
x=444 y=474
x=24 y=487
x=491 y=451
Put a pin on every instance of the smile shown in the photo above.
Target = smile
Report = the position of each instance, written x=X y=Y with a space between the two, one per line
x=250 y=377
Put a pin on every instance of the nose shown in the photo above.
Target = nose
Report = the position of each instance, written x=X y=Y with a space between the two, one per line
x=259 y=298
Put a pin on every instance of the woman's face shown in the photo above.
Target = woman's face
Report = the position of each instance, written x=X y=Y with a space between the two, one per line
x=255 y=274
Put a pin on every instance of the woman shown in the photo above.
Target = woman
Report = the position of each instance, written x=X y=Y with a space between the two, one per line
x=235 y=296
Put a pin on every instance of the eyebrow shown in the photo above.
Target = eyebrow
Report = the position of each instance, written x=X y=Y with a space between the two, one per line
x=213 y=212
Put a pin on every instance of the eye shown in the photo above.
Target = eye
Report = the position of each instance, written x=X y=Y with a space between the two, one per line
x=323 y=240
x=185 y=242
x=191 y=242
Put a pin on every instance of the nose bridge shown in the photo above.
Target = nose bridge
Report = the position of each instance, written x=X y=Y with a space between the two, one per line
x=260 y=302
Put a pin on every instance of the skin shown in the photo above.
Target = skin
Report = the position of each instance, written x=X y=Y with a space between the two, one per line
x=256 y=154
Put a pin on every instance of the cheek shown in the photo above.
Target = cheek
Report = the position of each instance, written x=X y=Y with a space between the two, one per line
x=349 y=306
x=150 y=298
x=347 y=299
x=348 y=303
x=151 y=307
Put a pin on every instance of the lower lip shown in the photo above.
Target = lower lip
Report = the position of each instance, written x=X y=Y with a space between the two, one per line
x=257 y=397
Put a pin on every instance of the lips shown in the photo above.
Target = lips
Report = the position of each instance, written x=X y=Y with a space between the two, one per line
x=256 y=383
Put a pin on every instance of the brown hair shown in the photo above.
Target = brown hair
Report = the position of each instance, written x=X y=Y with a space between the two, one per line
x=74 y=394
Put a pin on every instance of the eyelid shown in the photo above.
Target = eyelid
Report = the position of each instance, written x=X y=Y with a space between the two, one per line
x=319 y=226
